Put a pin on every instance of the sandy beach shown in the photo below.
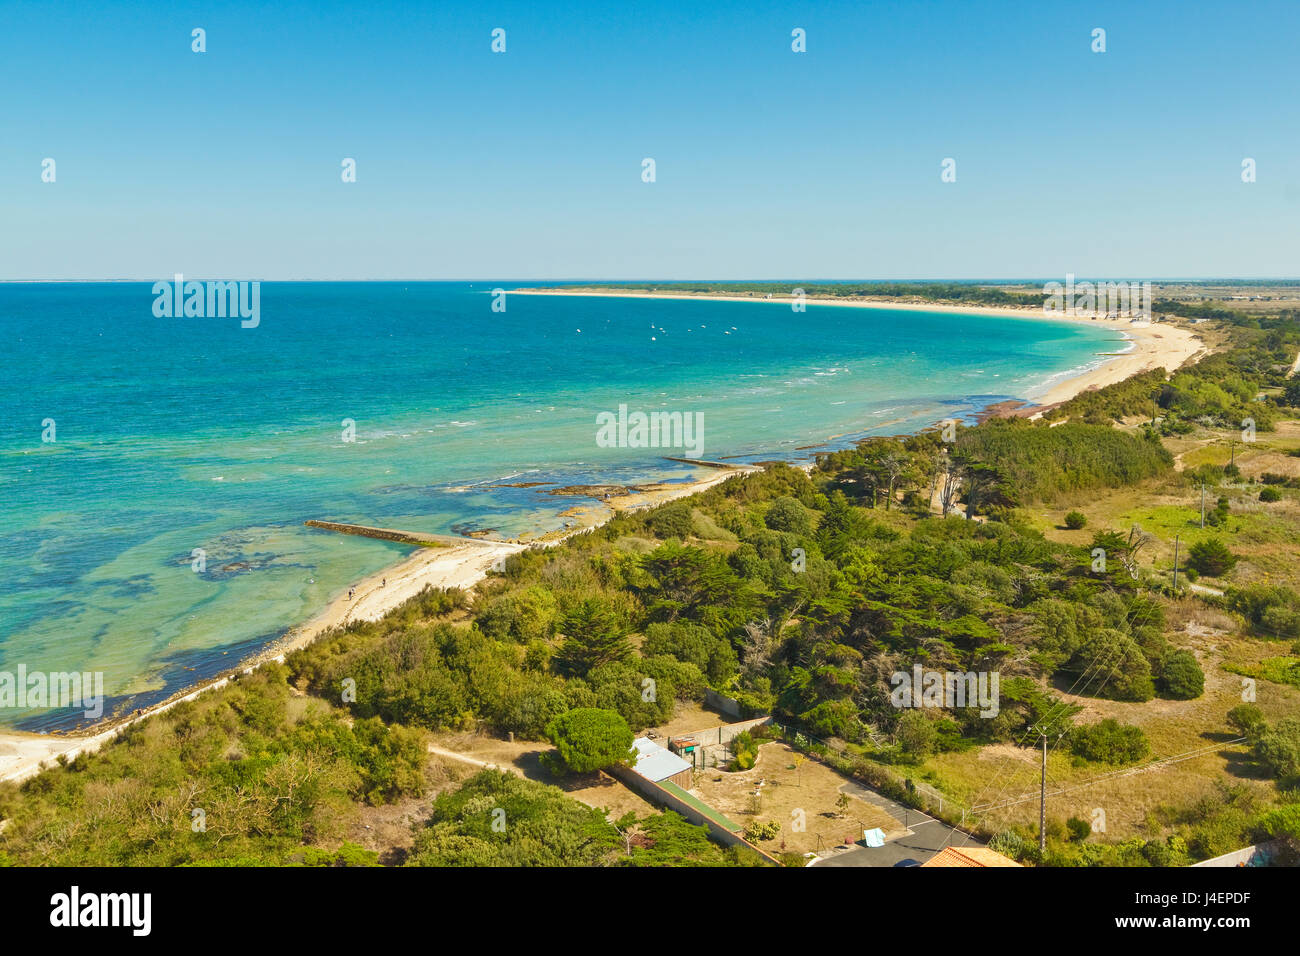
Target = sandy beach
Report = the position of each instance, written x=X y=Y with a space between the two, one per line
x=463 y=565
x=1023 y=312
x=455 y=566
x=1160 y=345
x=1155 y=345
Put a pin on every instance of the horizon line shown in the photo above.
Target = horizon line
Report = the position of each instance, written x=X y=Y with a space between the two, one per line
x=1007 y=280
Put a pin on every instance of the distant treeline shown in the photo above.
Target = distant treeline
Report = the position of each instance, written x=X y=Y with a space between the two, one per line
x=1214 y=309
x=967 y=293
x=938 y=291
x=1244 y=283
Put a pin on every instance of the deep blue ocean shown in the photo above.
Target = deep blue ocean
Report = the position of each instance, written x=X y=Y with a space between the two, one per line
x=172 y=434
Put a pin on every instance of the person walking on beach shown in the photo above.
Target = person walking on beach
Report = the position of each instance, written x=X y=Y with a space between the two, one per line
x=384 y=583
x=351 y=591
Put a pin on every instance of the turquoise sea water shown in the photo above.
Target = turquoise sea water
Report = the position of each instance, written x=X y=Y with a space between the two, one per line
x=176 y=434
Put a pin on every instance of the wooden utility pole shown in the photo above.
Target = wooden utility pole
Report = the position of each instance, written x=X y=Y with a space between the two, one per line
x=1042 y=801
x=1175 y=562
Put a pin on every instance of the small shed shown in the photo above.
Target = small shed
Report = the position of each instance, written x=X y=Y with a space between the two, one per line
x=659 y=765
x=683 y=746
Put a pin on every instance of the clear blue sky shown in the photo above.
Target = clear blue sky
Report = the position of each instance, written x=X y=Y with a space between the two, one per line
x=770 y=164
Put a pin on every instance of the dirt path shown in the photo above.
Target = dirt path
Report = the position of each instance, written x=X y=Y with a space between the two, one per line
x=462 y=758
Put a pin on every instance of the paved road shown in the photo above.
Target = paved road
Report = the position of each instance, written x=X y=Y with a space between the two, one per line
x=924 y=837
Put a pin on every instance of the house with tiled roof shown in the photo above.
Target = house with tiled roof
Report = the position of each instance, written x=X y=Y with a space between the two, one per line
x=970 y=856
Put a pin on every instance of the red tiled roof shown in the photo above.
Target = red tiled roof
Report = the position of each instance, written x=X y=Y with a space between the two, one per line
x=970 y=856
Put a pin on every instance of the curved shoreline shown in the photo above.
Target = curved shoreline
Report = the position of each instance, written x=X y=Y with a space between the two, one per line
x=23 y=754
x=1156 y=345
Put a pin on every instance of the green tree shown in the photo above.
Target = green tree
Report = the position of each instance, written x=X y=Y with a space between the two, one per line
x=669 y=840
x=744 y=751
x=1181 y=677
x=499 y=819
x=588 y=739
x=884 y=463
x=789 y=514
x=624 y=688
x=987 y=486
x=1292 y=393
x=915 y=734
x=1078 y=829
x=692 y=644
x=1109 y=741
x=1125 y=550
x=528 y=614
x=1115 y=667
x=672 y=520
x=1211 y=557
x=593 y=635
x=1278 y=749
x=697 y=585
x=1248 y=720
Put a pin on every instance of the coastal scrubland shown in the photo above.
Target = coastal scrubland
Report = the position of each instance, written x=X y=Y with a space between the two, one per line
x=1156 y=644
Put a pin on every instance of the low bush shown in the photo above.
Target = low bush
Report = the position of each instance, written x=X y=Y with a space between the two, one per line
x=1109 y=741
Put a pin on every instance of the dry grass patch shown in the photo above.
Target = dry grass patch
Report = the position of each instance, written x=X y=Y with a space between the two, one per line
x=523 y=757
x=390 y=829
x=787 y=786
x=1173 y=727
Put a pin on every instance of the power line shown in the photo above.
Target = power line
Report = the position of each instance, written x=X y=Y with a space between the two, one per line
x=1044 y=733
x=1122 y=772
x=1057 y=709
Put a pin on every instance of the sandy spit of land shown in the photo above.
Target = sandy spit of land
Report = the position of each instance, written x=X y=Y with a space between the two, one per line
x=849 y=301
x=1157 y=345
x=455 y=566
